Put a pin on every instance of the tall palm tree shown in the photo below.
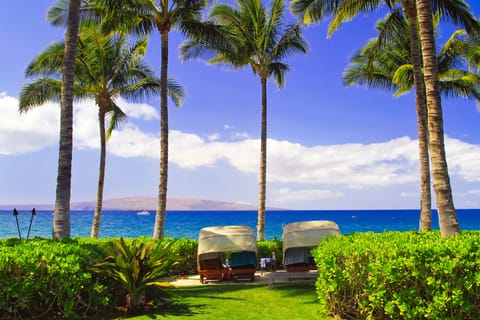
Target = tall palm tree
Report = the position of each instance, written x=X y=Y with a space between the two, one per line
x=106 y=68
x=61 y=216
x=391 y=68
x=142 y=17
x=251 y=34
x=456 y=11
x=448 y=222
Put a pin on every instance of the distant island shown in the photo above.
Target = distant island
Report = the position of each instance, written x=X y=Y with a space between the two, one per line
x=145 y=203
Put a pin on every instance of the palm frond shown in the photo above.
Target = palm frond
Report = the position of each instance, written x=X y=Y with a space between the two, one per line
x=116 y=116
x=310 y=11
x=403 y=78
x=374 y=78
x=175 y=92
x=290 y=42
x=90 y=14
x=279 y=70
x=249 y=34
x=39 y=92
x=347 y=10
x=457 y=12
x=48 y=63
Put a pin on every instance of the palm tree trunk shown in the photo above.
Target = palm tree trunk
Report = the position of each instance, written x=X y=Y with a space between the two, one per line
x=61 y=216
x=158 y=231
x=263 y=165
x=422 y=125
x=441 y=181
x=101 y=177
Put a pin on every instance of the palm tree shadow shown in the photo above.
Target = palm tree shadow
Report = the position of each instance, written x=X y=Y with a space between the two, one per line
x=180 y=307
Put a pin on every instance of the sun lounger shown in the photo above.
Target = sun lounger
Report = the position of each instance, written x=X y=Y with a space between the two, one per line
x=243 y=265
x=299 y=238
x=215 y=243
x=210 y=267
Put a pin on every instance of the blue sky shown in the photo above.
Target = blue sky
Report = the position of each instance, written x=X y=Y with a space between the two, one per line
x=329 y=147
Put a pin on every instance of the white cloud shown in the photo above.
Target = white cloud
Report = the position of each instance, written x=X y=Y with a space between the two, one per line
x=138 y=110
x=241 y=135
x=228 y=127
x=474 y=192
x=356 y=166
x=39 y=128
x=85 y=125
x=409 y=194
x=285 y=195
x=463 y=159
x=28 y=132
x=213 y=137
x=130 y=141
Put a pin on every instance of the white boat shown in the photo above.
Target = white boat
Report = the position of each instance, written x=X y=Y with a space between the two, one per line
x=143 y=213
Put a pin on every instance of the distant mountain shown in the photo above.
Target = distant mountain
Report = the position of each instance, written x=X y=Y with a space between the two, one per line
x=146 y=203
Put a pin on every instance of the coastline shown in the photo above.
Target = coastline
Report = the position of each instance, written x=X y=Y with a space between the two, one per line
x=188 y=223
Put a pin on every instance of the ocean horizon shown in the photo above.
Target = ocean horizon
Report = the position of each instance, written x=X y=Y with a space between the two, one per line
x=180 y=224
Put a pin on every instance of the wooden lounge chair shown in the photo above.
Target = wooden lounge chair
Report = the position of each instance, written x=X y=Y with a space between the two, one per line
x=243 y=265
x=211 y=268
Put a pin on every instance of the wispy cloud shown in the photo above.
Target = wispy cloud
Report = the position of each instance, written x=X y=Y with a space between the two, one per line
x=353 y=166
x=241 y=135
x=213 y=137
x=285 y=195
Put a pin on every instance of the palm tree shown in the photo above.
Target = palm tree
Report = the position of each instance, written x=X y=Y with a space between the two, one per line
x=61 y=216
x=142 y=17
x=391 y=68
x=458 y=12
x=448 y=222
x=106 y=68
x=251 y=34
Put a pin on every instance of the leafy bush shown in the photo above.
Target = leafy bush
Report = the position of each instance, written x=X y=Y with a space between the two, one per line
x=40 y=278
x=185 y=250
x=137 y=265
x=44 y=278
x=267 y=247
x=400 y=275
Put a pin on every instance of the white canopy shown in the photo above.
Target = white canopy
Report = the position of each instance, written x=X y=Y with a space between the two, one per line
x=307 y=233
x=226 y=238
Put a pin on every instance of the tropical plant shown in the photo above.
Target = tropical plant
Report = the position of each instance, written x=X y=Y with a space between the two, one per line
x=456 y=11
x=391 y=68
x=142 y=17
x=61 y=213
x=250 y=34
x=137 y=266
x=106 y=68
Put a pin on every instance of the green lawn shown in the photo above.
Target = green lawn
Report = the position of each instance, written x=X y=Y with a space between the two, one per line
x=295 y=300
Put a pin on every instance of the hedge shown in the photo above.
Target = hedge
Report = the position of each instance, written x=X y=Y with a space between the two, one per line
x=400 y=275
x=45 y=278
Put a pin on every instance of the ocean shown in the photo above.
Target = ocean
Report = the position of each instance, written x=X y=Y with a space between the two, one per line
x=181 y=224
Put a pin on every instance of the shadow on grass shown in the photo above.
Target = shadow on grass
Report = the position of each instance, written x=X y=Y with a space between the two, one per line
x=191 y=301
x=299 y=288
x=181 y=307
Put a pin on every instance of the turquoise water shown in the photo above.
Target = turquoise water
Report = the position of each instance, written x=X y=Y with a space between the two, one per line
x=188 y=223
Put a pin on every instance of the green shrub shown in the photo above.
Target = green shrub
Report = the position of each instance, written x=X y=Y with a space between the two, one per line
x=44 y=278
x=400 y=275
x=48 y=278
x=267 y=247
x=186 y=252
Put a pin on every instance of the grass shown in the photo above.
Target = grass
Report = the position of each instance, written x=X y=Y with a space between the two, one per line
x=294 y=300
